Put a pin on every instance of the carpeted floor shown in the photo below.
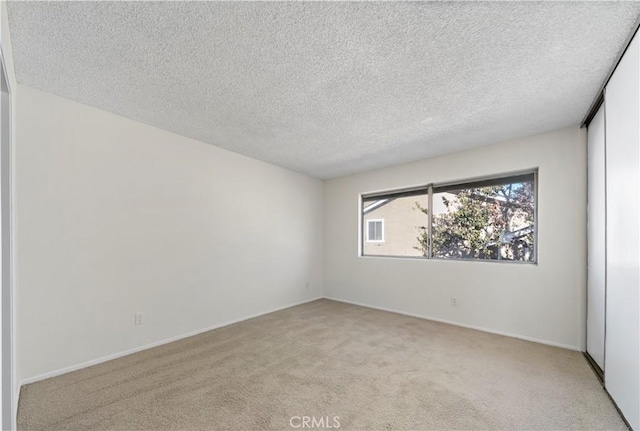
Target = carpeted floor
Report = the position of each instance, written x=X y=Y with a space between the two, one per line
x=370 y=369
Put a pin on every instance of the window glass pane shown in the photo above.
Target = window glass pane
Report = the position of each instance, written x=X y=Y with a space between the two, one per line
x=377 y=229
x=400 y=225
x=372 y=230
x=493 y=222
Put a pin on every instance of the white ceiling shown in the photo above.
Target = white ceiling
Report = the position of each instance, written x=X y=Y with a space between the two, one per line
x=327 y=89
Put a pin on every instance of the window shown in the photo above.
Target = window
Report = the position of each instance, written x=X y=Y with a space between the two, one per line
x=488 y=219
x=375 y=230
x=400 y=220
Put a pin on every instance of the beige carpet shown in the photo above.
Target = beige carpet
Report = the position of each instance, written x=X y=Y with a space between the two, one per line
x=371 y=369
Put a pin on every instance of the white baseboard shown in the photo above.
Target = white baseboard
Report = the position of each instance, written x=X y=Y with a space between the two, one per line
x=86 y=364
x=231 y=322
x=450 y=322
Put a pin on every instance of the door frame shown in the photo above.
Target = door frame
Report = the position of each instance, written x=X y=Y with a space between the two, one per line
x=8 y=353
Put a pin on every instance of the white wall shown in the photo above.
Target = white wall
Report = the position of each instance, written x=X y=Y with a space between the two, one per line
x=545 y=302
x=117 y=217
x=622 y=345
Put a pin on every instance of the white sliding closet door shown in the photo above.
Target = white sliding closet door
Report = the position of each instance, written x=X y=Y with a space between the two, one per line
x=622 y=344
x=596 y=234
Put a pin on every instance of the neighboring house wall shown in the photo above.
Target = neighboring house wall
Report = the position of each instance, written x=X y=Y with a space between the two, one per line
x=508 y=298
x=402 y=221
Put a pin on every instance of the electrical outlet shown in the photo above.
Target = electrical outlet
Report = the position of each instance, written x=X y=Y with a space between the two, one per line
x=454 y=301
x=139 y=318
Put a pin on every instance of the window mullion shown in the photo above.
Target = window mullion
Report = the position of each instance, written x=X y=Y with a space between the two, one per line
x=430 y=224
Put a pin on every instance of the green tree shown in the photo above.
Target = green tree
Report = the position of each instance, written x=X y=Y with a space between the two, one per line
x=493 y=222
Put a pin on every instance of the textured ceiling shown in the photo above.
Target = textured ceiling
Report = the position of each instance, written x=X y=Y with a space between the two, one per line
x=327 y=89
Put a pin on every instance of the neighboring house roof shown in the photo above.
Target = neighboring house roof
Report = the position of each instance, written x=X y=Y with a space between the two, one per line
x=376 y=205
